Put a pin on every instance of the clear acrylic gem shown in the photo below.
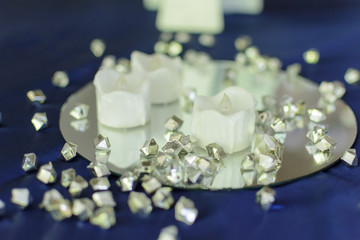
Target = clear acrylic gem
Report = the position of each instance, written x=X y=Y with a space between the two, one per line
x=161 y=47
x=139 y=203
x=350 y=157
x=242 y=42
x=80 y=125
x=103 y=217
x=47 y=173
x=174 y=49
x=100 y=170
x=97 y=47
x=100 y=183
x=266 y=178
x=268 y=162
x=104 y=199
x=182 y=37
x=50 y=198
x=169 y=233
x=39 y=120
x=102 y=143
x=173 y=136
x=101 y=157
x=278 y=125
x=21 y=197
x=189 y=94
x=58 y=207
x=321 y=157
x=69 y=151
x=151 y=185
x=249 y=177
x=29 y=162
x=80 y=111
x=127 y=181
x=173 y=123
x=252 y=53
x=83 y=208
x=316 y=115
x=316 y=134
x=326 y=144
x=216 y=151
x=266 y=144
x=310 y=148
x=150 y=148
x=352 y=76
x=311 y=56
x=265 y=197
x=248 y=163
x=172 y=147
x=207 y=40
x=163 y=198
x=67 y=176
x=36 y=96
x=225 y=105
x=185 y=211
x=60 y=79
x=77 y=186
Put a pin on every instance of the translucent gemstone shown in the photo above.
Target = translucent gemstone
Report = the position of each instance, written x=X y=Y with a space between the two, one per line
x=331 y=91
x=189 y=94
x=207 y=40
x=161 y=47
x=80 y=125
x=242 y=42
x=225 y=105
x=173 y=136
x=185 y=211
x=350 y=157
x=123 y=65
x=104 y=199
x=102 y=143
x=77 y=186
x=69 y=151
x=316 y=134
x=310 y=148
x=316 y=114
x=163 y=160
x=150 y=148
x=163 y=198
x=166 y=36
x=21 y=197
x=174 y=49
x=2 y=208
x=321 y=157
x=29 y=162
x=266 y=144
x=173 y=123
x=103 y=217
x=109 y=62
x=278 y=125
x=172 y=147
x=252 y=53
x=139 y=203
x=265 y=197
x=127 y=181
x=293 y=70
x=169 y=233
x=47 y=173
x=60 y=79
x=249 y=177
x=100 y=170
x=50 y=199
x=326 y=144
x=280 y=136
x=182 y=37
x=151 y=185
x=352 y=76
x=248 y=163
x=100 y=183
x=216 y=151
x=266 y=178
x=186 y=144
x=83 y=208
x=58 y=207
x=171 y=174
x=291 y=110
x=39 y=120
x=268 y=162
x=101 y=157
x=67 y=176
x=80 y=111
x=36 y=96
x=329 y=107
x=311 y=56
x=97 y=47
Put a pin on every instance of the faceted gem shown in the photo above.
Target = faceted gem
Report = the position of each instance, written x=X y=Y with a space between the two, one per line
x=58 y=207
x=225 y=105
x=127 y=182
x=163 y=198
x=36 y=96
x=69 y=151
x=67 y=176
x=280 y=136
x=169 y=233
x=151 y=185
x=326 y=144
x=207 y=40
x=248 y=163
x=265 y=197
x=216 y=151
x=50 y=198
x=139 y=203
x=100 y=170
x=331 y=91
x=97 y=47
x=249 y=177
x=77 y=186
x=186 y=144
x=267 y=162
x=266 y=178
x=29 y=162
x=189 y=95
x=311 y=56
x=182 y=37
x=185 y=211
x=242 y=42
x=80 y=111
x=60 y=79
x=83 y=208
x=39 y=120
x=266 y=144
x=278 y=125
x=316 y=134
x=104 y=199
x=47 y=173
x=102 y=157
x=321 y=157
x=352 y=76
x=173 y=123
x=2 y=208
x=100 y=183
x=21 y=197
x=102 y=143
x=174 y=49
x=310 y=148
x=173 y=136
x=80 y=125
x=316 y=114
x=161 y=47
x=350 y=157
x=172 y=147
x=103 y=217
x=150 y=148
x=252 y=53
x=123 y=65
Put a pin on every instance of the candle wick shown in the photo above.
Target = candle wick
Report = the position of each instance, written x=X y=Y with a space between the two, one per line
x=225 y=105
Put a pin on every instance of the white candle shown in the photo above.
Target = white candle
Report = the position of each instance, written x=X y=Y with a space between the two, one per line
x=163 y=72
x=122 y=99
x=227 y=119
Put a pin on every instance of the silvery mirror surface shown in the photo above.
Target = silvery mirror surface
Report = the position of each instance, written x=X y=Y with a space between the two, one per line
x=209 y=79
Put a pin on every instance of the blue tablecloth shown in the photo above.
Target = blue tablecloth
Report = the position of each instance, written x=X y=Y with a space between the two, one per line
x=38 y=38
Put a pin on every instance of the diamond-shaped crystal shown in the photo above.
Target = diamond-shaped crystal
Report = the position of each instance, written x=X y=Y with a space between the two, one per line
x=163 y=198
x=77 y=186
x=207 y=40
x=248 y=163
x=242 y=42
x=252 y=53
x=321 y=157
x=83 y=208
x=80 y=125
x=249 y=177
x=331 y=91
x=69 y=151
x=150 y=185
x=39 y=120
x=58 y=207
x=266 y=144
x=173 y=136
x=150 y=148
x=50 y=198
x=225 y=105
x=185 y=211
x=36 y=96
x=265 y=197
x=326 y=144
x=169 y=233
x=173 y=123
x=174 y=49
x=104 y=199
x=316 y=114
x=47 y=173
x=139 y=203
x=102 y=143
x=310 y=148
x=67 y=176
x=216 y=151
x=266 y=178
x=350 y=157
x=127 y=182
x=161 y=47
x=172 y=147
x=316 y=134
x=172 y=174
x=80 y=111
x=268 y=162
x=189 y=95
x=278 y=125
x=186 y=144
x=100 y=170
x=97 y=47
x=60 y=79
x=101 y=157
x=100 y=183
x=29 y=162
x=311 y=56
x=280 y=136
x=352 y=76
x=104 y=217
x=21 y=197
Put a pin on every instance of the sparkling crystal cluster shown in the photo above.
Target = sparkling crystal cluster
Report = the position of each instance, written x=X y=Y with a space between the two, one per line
x=330 y=92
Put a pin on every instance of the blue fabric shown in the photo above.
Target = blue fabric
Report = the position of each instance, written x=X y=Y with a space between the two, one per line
x=38 y=38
